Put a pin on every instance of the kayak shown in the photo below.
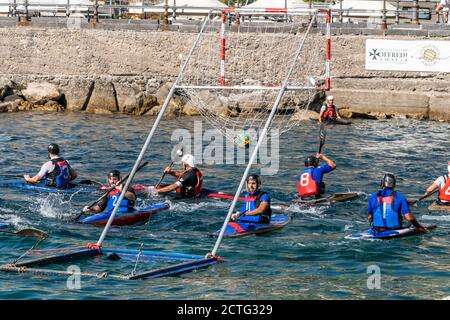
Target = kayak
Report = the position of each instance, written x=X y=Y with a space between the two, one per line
x=438 y=208
x=206 y=193
x=389 y=234
x=242 y=229
x=338 y=121
x=73 y=188
x=126 y=218
x=335 y=197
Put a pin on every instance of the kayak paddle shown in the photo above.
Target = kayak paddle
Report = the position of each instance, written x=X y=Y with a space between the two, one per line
x=425 y=196
x=107 y=192
x=28 y=232
x=11 y=175
x=180 y=154
x=322 y=134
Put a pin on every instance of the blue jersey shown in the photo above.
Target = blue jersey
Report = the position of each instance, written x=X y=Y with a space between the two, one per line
x=390 y=217
x=317 y=173
x=252 y=202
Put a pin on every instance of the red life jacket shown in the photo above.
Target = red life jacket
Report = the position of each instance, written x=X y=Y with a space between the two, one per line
x=307 y=186
x=444 y=193
x=330 y=113
x=193 y=191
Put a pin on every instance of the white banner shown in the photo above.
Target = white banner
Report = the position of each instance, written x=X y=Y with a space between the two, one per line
x=418 y=55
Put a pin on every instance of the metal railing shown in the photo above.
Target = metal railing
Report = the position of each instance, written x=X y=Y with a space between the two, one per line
x=417 y=10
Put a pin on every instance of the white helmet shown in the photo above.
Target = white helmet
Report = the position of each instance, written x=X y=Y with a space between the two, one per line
x=448 y=166
x=188 y=159
x=330 y=98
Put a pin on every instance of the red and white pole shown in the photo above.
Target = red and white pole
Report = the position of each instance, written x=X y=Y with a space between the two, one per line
x=328 y=49
x=222 y=48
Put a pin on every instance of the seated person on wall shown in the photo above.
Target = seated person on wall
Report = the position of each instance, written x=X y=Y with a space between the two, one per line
x=190 y=181
x=440 y=6
x=329 y=111
x=109 y=202
x=56 y=172
x=443 y=183
x=257 y=203
x=310 y=184
x=387 y=207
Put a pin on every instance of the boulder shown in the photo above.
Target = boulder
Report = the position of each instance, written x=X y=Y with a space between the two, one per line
x=50 y=106
x=103 y=97
x=439 y=107
x=190 y=110
x=305 y=115
x=77 y=94
x=39 y=93
x=6 y=86
x=13 y=98
x=162 y=93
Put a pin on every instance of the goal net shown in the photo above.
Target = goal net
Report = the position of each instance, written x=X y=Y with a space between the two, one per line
x=244 y=57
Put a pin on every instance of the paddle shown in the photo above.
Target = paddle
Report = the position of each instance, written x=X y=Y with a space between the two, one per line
x=425 y=196
x=107 y=192
x=90 y=182
x=12 y=175
x=28 y=232
x=180 y=154
x=322 y=134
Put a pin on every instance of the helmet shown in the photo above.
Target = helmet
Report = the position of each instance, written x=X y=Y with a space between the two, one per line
x=330 y=98
x=254 y=177
x=53 y=148
x=311 y=161
x=188 y=159
x=388 y=181
x=448 y=166
x=114 y=173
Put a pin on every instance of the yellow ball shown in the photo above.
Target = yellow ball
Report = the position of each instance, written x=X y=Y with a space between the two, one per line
x=243 y=140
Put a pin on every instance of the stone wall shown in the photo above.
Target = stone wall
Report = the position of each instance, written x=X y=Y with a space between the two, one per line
x=106 y=71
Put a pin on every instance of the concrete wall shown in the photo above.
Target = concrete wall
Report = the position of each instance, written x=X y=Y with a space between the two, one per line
x=130 y=58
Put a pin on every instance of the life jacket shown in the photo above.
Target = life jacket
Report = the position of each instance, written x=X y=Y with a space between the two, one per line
x=125 y=206
x=253 y=202
x=60 y=176
x=330 y=113
x=444 y=193
x=384 y=215
x=307 y=186
x=192 y=191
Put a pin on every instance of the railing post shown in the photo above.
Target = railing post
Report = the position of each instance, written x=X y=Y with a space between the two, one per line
x=416 y=12
x=397 y=13
x=341 y=14
x=166 y=14
x=383 y=19
x=95 y=20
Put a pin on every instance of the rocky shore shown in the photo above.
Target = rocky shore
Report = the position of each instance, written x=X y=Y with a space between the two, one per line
x=117 y=71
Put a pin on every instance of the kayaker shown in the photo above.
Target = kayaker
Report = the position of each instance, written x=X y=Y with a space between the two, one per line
x=310 y=182
x=190 y=181
x=387 y=207
x=257 y=203
x=329 y=111
x=443 y=183
x=56 y=172
x=109 y=202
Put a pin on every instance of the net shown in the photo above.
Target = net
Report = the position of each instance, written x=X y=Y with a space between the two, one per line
x=237 y=69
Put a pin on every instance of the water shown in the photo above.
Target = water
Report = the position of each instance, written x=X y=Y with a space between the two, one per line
x=308 y=259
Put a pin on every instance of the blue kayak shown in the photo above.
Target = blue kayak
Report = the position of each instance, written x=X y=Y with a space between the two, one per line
x=242 y=229
x=389 y=234
x=73 y=188
x=126 y=218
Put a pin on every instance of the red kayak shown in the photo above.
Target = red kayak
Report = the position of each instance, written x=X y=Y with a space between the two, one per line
x=206 y=193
